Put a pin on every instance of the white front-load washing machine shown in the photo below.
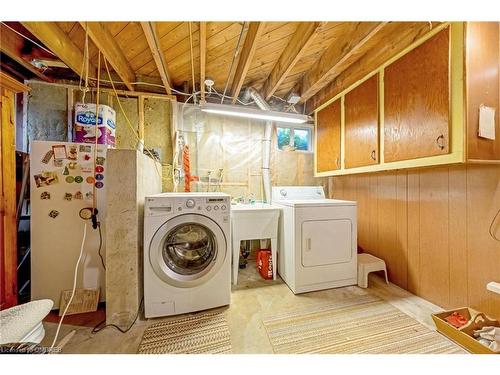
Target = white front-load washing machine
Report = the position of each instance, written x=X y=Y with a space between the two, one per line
x=187 y=262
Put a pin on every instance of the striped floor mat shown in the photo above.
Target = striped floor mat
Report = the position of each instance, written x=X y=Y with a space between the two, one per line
x=361 y=324
x=202 y=333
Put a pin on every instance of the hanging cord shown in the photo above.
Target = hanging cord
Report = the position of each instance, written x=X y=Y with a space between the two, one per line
x=127 y=120
x=236 y=51
x=490 y=230
x=192 y=61
x=100 y=246
x=75 y=277
x=85 y=66
x=98 y=327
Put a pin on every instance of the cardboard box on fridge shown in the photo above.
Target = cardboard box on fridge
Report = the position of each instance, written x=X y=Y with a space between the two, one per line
x=85 y=128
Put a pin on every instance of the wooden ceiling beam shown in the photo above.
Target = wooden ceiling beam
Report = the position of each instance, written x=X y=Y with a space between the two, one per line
x=337 y=57
x=301 y=39
x=103 y=39
x=255 y=30
x=11 y=44
x=203 y=58
x=151 y=34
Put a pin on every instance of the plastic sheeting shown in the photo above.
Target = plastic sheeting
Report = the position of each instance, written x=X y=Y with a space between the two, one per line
x=235 y=145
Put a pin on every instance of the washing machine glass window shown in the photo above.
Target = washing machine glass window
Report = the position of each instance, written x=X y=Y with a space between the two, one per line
x=189 y=248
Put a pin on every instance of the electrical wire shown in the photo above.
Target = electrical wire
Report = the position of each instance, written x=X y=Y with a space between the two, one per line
x=490 y=230
x=31 y=40
x=100 y=246
x=127 y=120
x=232 y=61
x=75 y=277
x=85 y=66
x=94 y=188
x=192 y=60
x=181 y=92
x=98 y=327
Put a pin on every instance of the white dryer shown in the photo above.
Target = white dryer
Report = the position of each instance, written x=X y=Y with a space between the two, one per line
x=318 y=239
x=187 y=262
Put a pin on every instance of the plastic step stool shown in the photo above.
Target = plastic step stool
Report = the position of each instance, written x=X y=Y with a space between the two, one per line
x=368 y=263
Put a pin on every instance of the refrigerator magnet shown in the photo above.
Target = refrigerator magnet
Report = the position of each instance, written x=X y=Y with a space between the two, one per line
x=66 y=171
x=58 y=163
x=47 y=156
x=53 y=214
x=89 y=196
x=68 y=196
x=59 y=152
x=78 y=179
x=85 y=148
x=73 y=153
x=99 y=169
x=100 y=160
x=99 y=184
x=86 y=157
x=99 y=177
x=72 y=165
x=45 y=179
x=78 y=195
x=45 y=195
x=90 y=180
x=70 y=179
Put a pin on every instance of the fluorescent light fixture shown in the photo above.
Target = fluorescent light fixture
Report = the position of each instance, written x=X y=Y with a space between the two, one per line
x=238 y=111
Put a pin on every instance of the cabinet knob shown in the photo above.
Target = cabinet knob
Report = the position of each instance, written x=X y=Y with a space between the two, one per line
x=374 y=155
x=440 y=141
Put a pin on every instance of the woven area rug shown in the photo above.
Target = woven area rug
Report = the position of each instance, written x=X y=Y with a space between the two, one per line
x=361 y=324
x=202 y=333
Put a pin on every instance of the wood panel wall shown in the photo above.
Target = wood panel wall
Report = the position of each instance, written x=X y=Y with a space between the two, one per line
x=8 y=227
x=431 y=227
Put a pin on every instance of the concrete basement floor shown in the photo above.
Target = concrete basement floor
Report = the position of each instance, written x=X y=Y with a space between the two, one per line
x=251 y=299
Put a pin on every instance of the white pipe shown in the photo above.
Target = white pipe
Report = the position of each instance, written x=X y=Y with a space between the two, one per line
x=266 y=146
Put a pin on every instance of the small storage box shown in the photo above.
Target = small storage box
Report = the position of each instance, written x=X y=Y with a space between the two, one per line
x=463 y=336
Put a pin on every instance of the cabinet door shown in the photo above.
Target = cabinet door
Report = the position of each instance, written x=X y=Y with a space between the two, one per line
x=417 y=100
x=328 y=138
x=482 y=86
x=361 y=124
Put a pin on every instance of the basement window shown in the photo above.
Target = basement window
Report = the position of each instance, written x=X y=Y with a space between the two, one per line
x=299 y=138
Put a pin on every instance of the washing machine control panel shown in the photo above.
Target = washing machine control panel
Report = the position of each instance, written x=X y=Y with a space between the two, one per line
x=181 y=205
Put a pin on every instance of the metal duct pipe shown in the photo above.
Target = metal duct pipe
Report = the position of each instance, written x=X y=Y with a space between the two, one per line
x=266 y=146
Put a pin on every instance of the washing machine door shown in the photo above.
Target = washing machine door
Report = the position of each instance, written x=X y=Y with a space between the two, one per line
x=187 y=250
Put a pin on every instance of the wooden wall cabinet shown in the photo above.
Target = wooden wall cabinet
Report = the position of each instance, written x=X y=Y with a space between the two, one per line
x=328 y=137
x=417 y=101
x=361 y=124
x=428 y=102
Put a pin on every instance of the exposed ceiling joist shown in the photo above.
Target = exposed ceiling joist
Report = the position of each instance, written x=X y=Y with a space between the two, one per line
x=12 y=44
x=55 y=39
x=108 y=46
x=151 y=33
x=203 y=58
x=336 y=58
x=301 y=39
x=255 y=30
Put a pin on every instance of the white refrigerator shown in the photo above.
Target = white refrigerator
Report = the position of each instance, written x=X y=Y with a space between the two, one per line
x=63 y=182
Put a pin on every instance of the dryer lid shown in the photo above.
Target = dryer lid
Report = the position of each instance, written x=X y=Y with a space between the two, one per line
x=316 y=203
x=304 y=196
